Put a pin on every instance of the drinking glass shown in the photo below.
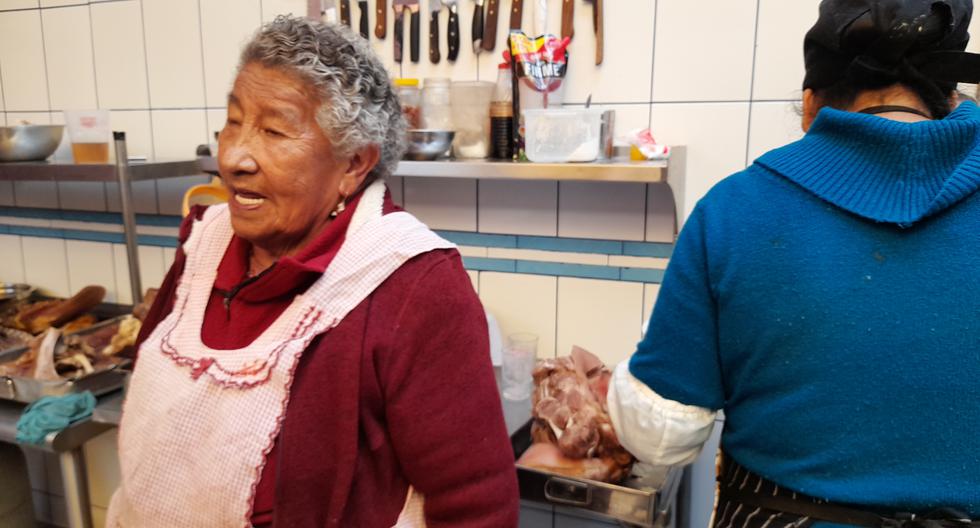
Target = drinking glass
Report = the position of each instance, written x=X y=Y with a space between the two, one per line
x=520 y=354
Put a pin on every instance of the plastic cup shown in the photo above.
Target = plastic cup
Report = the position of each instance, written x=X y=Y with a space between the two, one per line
x=90 y=135
x=519 y=357
x=471 y=118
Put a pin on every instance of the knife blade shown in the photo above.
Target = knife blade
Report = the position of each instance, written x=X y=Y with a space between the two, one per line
x=453 y=29
x=362 y=6
x=568 y=18
x=435 y=6
x=381 y=19
x=490 y=26
x=516 y=13
x=478 y=27
x=345 y=12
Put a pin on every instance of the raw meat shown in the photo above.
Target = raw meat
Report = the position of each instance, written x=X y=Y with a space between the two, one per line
x=571 y=431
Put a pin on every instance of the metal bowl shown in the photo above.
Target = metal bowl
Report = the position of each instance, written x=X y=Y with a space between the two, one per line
x=427 y=145
x=29 y=142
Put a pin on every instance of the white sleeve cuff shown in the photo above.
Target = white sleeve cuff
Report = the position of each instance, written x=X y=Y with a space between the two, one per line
x=654 y=429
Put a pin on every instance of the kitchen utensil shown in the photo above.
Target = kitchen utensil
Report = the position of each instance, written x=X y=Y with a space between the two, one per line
x=516 y=13
x=15 y=291
x=328 y=11
x=597 y=25
x=562 y=135
x=490 y=25
x=428 y=145
x=29 y=142
x=453 y=29
x=381 y=19
x=435 y=6
x=362 y=6
x=345 y=12
x=645 y=500
x=568 y=18
x=478 y=27
x=399 y=7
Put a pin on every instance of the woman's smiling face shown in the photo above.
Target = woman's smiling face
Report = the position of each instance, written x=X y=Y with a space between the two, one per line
x=277 y=162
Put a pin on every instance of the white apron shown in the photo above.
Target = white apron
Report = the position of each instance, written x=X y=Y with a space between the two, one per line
x=198 y=423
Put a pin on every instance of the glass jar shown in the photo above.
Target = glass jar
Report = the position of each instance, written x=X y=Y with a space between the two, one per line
x=436 y=105
x=410 y=98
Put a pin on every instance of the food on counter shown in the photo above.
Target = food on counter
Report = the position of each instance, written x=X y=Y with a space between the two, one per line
x=143 y=308
x=39 y=316
x=11 y=338
x=571 y=430
x=78 y=324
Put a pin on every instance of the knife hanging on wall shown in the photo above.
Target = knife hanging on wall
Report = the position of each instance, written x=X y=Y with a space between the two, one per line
x=345 y=12
x=398 y=6
x=478 y=27
x=416 y=28
x=435 y=6
x=453 y=29
x=490 y=25
x=381 y=19
x=568 y=18
x=362 y=6
x=598 y=23
x=516 y=13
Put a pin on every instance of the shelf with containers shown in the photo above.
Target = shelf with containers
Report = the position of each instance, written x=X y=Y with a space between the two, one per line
x=123 y=171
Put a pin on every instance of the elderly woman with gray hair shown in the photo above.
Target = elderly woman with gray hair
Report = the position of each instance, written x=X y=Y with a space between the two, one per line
x=316 y=356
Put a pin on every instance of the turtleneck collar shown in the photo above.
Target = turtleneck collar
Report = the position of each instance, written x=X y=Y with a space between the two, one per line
x=885 y=170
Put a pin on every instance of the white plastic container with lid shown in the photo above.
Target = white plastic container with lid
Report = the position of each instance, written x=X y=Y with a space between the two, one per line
x=436 y=105
x=559 y=135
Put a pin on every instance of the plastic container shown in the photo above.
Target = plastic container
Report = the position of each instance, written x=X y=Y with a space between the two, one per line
x=562 y=135
x=90 y=135
x=436 y=105
x=519 y=356
x=471 y=117
x=410 y=98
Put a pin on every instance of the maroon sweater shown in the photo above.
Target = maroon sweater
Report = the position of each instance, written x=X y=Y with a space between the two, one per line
x=400 y=392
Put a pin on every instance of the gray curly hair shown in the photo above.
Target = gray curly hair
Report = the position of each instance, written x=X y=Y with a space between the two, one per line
x=358 y=106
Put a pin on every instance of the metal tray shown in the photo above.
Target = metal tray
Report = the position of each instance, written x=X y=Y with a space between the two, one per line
x=28 y=390
x=12 y=291
x=646 y=502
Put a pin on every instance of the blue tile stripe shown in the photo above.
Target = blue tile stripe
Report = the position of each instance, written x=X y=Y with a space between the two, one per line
x=531 y=267
x=88 y=216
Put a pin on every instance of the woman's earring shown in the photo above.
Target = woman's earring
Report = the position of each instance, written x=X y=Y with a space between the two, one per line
x=339 y=209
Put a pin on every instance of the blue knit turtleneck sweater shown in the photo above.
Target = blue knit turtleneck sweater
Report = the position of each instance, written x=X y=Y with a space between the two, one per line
x=828 y=299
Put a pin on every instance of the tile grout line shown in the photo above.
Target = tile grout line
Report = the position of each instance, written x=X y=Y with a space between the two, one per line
x=149 y=110
x=653 y=62
x=755 y=54
x=204 y=73
x=95 y=80
x=47 y=91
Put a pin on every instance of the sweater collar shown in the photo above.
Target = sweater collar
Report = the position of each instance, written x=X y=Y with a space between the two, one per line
x=885 y=170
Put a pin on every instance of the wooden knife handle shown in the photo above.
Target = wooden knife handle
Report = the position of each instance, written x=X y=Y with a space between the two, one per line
x=599 y=23
x=345 y=12
x=399 y=39
x=381 y=19
x=453 y=31
x=568 y=18
x=490 y=25
x=434 y=38
x=516 y=13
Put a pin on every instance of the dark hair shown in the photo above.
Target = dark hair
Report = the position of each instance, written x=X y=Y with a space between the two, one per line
x=935 y=96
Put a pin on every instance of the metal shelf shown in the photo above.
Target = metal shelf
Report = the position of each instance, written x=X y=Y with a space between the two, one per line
x=601 y=171
x=101 y=172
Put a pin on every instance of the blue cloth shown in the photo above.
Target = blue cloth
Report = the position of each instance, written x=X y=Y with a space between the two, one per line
x=827 y=299
x=51 y=414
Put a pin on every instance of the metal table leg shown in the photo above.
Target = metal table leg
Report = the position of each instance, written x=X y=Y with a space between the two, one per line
x=128 y=215
x=77 y=505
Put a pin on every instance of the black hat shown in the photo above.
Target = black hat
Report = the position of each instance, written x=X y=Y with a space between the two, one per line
x=881 y=42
